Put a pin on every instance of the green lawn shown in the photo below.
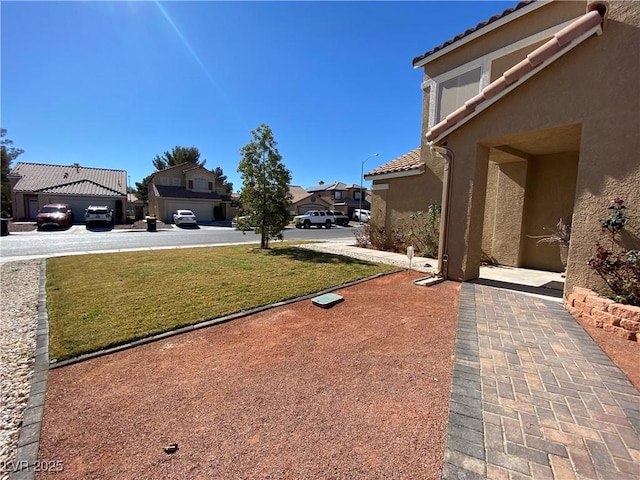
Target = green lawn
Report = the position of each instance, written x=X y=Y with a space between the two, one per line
x=99 y=301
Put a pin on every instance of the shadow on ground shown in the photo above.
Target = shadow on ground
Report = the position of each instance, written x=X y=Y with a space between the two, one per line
x=304 y=255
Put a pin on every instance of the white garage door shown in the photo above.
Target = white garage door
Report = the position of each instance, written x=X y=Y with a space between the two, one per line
x=202 y=211
x=79 y=205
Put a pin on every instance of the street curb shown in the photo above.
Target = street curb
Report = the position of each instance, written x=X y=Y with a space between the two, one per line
x=29 y=439
x=209 y=323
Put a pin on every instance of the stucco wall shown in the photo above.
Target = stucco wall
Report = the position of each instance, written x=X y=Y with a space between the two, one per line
x=511 y=179
x=595 y=86
x=550 y=195
x=406 y=195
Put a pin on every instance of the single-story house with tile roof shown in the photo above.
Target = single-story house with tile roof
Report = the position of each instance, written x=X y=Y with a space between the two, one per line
x=342 y=197
x=529 y=117
x=188 y=186
x=34 y=185
x=302 y=201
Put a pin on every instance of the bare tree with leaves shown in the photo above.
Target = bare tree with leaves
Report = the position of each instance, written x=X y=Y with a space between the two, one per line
x=265 y=190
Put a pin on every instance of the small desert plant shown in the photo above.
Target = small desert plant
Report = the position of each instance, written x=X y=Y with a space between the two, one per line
x=560 y=235
x=618 y=267
x=362 y=236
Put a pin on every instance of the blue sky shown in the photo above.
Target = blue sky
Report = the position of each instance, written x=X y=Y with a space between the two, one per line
x=112 y=84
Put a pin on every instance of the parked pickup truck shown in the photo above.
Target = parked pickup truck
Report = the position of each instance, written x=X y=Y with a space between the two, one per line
x=318 y=218
x=340 y=218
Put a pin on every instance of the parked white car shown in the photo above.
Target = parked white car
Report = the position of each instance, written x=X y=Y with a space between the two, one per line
x=184 y=217
x=98 y=214
x=361 y=215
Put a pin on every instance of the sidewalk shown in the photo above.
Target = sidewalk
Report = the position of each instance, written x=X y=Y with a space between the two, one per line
x=346 y=248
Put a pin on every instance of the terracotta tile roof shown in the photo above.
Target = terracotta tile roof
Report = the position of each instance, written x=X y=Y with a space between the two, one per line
x=468 y=32
x=560 y=43
x=169 y=191
x=69 y=180
x=404 y=163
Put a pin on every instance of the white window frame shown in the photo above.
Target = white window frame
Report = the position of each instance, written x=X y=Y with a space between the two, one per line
x=175 y=181
x=458 y=72
x=484 y=63
x=204 y=183
x=164 y=181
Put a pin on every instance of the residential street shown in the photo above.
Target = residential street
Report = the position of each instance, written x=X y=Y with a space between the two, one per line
x=78 y=240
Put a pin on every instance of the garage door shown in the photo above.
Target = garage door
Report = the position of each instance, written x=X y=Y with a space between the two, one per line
x=202 y=211
x=79 y=205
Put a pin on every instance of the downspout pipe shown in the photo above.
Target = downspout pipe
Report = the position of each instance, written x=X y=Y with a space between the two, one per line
x=443 y=245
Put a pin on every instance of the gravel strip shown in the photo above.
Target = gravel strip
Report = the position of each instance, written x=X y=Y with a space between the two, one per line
x=19 y=288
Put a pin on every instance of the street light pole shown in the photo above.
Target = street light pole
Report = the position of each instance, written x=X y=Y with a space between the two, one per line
x=361 y=182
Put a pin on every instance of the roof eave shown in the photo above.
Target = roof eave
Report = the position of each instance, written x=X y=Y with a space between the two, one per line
x=402 y=173
x=482 y=31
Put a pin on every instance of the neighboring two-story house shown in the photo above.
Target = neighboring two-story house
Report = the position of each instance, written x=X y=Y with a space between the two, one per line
x=191 y=187
x=529 y=117
x=342 y=197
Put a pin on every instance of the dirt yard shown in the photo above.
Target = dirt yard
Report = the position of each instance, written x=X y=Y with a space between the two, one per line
x=360 y=390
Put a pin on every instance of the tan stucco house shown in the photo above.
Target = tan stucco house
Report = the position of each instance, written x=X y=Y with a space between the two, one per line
x=529 y=117
x=191 y=187
x=35 y=184
x=302 y=201
x=342 y=197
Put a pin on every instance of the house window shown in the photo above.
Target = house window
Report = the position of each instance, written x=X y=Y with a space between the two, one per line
x=356 y=194
x=452 y=93
x=164 y=181
x=335 y=195
x=175 y=182
x=200 y=183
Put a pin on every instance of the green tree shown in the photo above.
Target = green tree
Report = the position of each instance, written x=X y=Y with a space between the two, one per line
x=265 y=185
x=142 y=189
x=176 y=156
x=8 y=154
x=221 y=179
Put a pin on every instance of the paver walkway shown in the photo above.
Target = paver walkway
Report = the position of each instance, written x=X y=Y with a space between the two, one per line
x=534 y=397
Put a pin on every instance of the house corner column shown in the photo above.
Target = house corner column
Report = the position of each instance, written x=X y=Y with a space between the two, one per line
x=466 y=211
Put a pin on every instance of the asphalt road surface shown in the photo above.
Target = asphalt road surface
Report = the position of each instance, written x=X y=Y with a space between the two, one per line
x=78 y=240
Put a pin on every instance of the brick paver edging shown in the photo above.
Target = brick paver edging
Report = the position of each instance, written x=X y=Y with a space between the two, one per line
x=465 y=456
x=29 y=439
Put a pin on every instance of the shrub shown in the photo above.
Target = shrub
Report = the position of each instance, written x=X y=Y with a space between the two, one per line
x=424 y=231
x=362 y=236
x=618 y=267
x=377 y=236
